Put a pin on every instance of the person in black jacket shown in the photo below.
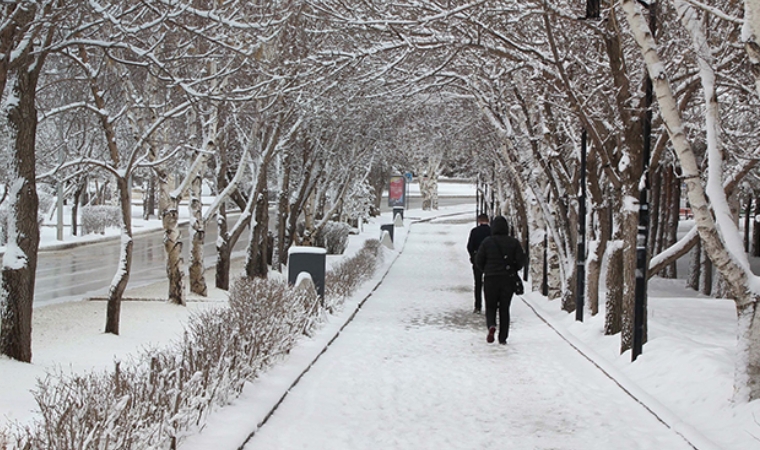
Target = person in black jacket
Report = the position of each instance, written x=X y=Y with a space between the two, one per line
x=477 y=236
x=500 y=256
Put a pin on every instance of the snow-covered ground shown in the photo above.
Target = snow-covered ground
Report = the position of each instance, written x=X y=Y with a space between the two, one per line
x=412 y=369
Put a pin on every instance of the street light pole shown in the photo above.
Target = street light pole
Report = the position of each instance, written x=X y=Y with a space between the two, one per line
x=640 y=300
x=59 y=199
x=581 y=254
x=545 y=270
x=592 y=9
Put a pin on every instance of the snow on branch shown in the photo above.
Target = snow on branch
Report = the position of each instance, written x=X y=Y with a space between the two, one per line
x=715 y=12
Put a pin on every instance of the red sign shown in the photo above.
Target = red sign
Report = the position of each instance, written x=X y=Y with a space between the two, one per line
x=396 y=192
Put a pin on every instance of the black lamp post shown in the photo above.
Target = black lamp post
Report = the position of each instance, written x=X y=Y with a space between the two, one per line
x=592 y=9
x=545 y=270
x=580 y=257
x=640 y=300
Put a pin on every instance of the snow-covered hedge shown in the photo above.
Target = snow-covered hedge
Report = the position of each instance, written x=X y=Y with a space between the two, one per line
x=344 y=276
x=333 y=237
x=161 y=395
x=95 y=218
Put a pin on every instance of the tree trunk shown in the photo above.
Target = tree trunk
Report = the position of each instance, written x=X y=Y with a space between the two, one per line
x=256 y=262
x=425 y=192
x=280 y=254
x=657 y=219
x=378 y=181
x=149 y=197
x=695 y=267
x=18 y=274
x=747 y=378
x=119 y=283
x=555 y=274
x=196 y=269
x=670 y=226
x=613 y=322
x=223 y=247
x=747 y=222
x=629 y=225
x=223 y=251
x=308 y=238
x=75 y=207
x=706 y=286
x=593 y=274
x=169 y=212
x=751 y=44
x=568 y=293
x=536 y=246
x=434 y=190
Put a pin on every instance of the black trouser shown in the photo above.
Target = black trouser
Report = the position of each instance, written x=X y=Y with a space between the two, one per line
x=478 y=274
x=498 y=292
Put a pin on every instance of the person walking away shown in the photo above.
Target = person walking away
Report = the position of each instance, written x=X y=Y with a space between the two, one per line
x=500 y=256
x=477 y=236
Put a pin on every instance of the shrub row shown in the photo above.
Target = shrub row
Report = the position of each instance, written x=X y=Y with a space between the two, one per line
x=161 y=395
x=95 y=218
x=333 y=237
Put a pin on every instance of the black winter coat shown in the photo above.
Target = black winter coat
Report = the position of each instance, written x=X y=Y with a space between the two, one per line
x=498 y=250
x=477 y=236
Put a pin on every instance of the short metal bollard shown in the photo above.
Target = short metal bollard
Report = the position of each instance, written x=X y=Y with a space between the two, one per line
x=398 y=211
x=311 y=260
x=387 y=227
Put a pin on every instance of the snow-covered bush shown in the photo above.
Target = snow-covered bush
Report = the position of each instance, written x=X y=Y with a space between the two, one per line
x=95 y=218
x=334 y=237
x=153 y=400
x=4 y=444
x=359 y=202
x=345 y=276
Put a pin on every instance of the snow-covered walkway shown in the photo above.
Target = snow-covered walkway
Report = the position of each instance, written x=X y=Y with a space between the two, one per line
x=413 y=371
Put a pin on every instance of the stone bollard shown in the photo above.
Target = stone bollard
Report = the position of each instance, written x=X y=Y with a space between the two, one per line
x=398 y=221
x=385 y=239
x=387 y=227
x=311 y=260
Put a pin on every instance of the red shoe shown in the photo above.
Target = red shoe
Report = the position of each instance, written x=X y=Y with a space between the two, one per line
x=491 y=332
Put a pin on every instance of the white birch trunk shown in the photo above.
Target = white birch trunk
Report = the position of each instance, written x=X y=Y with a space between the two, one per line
x=196 y=268
x=168 y=210
x=751 y=37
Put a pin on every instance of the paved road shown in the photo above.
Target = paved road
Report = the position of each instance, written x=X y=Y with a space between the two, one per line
x=413 y=371
x=87 y=270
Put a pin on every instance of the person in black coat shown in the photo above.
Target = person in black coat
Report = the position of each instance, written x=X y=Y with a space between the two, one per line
x=500 y=256
x=477 y=236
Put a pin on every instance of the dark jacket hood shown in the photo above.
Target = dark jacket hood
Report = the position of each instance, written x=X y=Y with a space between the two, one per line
x=499 y=226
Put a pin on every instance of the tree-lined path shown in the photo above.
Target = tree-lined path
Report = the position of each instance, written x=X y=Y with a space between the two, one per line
x=413 y=370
